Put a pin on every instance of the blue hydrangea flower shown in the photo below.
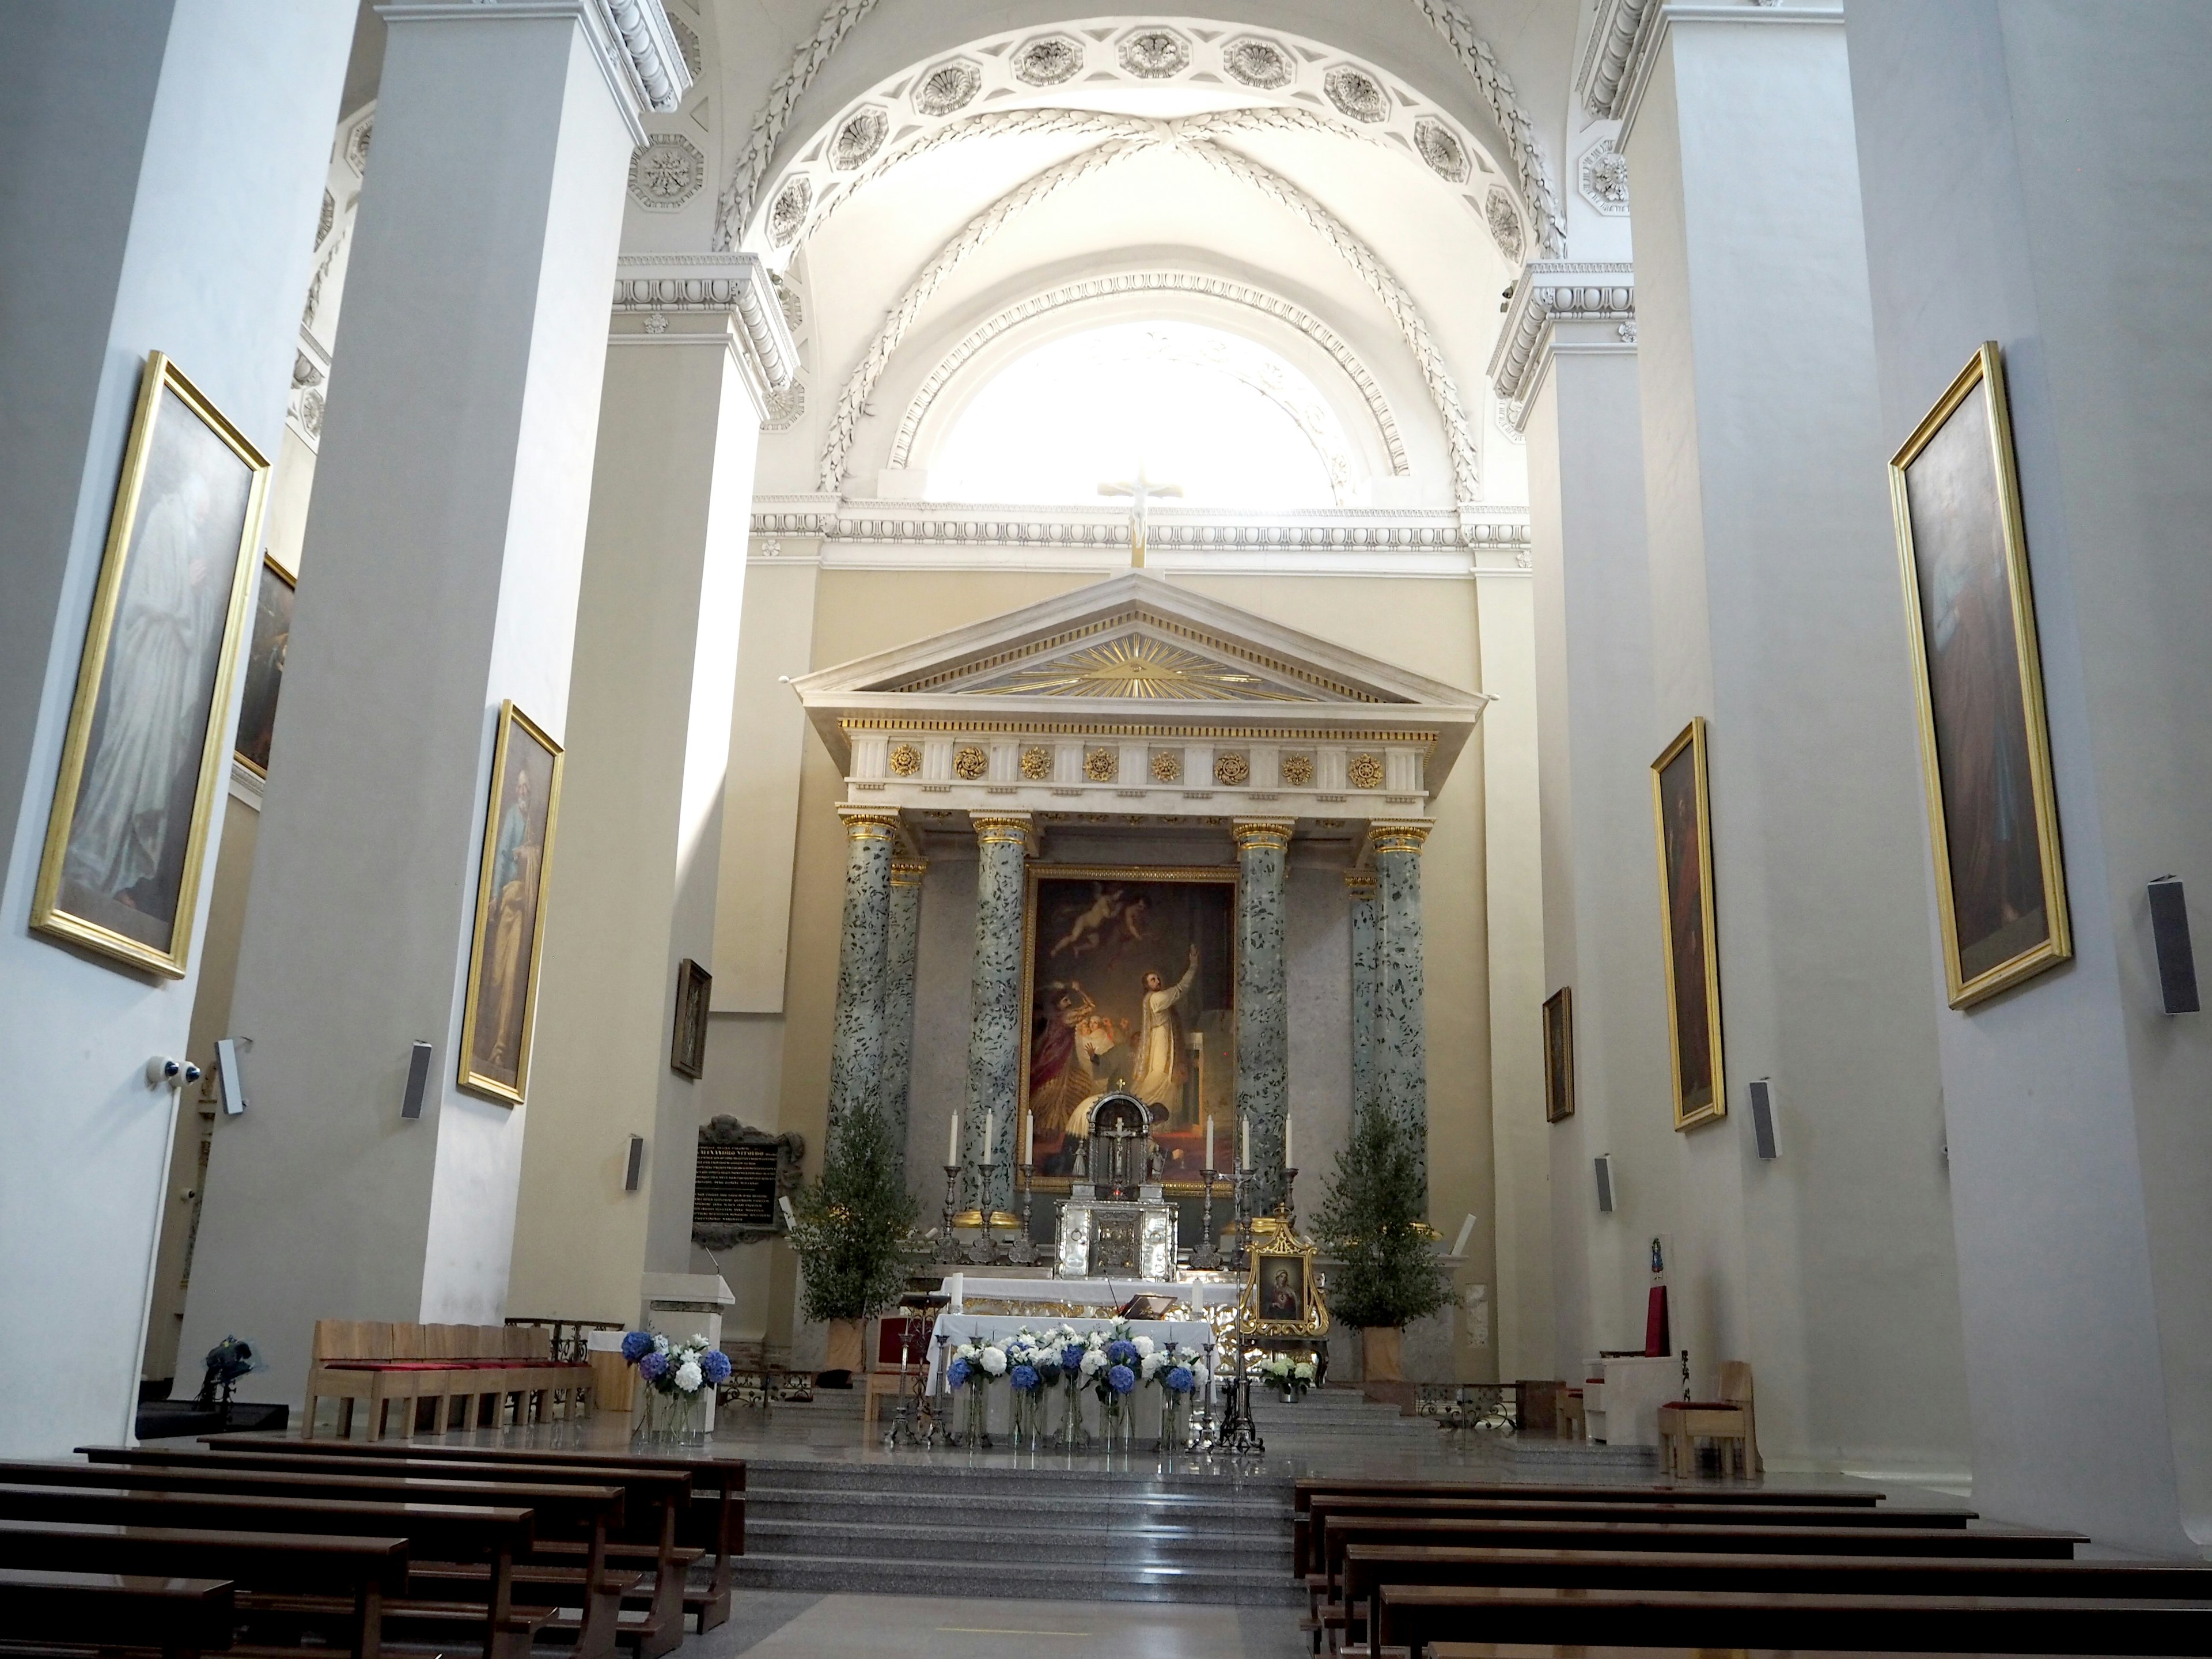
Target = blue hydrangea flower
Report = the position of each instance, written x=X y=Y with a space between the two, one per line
x=1181 y=1380
x=1121 y=1378
x=1070 y=1357
x=716 y=1365
x=1047 y=1369
x=1023 y=1377
x=653 y=1364
x=637 y=1345
x=957 y=1375
x=1121 y=1353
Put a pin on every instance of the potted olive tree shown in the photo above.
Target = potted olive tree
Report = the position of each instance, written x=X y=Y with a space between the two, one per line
x=850 y=1232
x=1371 y=1219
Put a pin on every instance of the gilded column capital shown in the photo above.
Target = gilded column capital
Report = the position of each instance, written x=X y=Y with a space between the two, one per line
x=870 y=823
x=1398 y=834
x=1361 y=883
x=909 y=873
x=1005 y=828
x=1262 y=832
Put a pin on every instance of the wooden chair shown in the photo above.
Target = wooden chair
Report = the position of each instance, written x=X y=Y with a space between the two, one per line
x=1736 y=1388
x=1573 y=1425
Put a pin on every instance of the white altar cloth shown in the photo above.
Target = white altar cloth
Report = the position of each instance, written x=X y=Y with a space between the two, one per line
x=954 y=1328
x=1090 y=1292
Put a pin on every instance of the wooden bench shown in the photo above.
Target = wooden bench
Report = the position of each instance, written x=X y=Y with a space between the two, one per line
x=1418 y=1618
x=361 y=1573
x=715 y=1522
x=181 y=1617
x=456 y=1368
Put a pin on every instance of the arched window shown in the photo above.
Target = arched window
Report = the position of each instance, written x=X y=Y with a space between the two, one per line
x=1229 y=419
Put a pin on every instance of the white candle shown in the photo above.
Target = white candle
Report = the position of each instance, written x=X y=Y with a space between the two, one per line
x=1029 y=1137
x=1244 y=1161
x=1289 y=1163
x=990 y=1134
x=1209 y=1140
x=952 y=1142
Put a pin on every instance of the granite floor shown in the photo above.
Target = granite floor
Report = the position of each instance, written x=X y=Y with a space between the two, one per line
x=773 y=1625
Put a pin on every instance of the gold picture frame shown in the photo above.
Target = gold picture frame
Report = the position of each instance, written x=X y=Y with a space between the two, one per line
x=687 y=1043
x=1977 y=677
x=1263 y=1313
x=1681 y=806
x=266 y=648
x=140 y=763
x=1214 y=1066
x=1559 y=1056
x=499 y=1015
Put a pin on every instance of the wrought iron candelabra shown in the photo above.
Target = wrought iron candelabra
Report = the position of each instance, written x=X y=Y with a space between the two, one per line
x=951 y=1203
x=1022 y=1251
x=1239 y=1435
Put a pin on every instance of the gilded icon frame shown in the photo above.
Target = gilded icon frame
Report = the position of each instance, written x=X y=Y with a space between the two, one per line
x=1313 y=1320
x=49 y=911
x=1559 y=1056
x=1224 y=875
x=511 y=721
x=1688 y=1115
x=1984 y=376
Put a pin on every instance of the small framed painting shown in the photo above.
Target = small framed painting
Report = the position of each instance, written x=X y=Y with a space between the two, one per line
x=1984 y=750
x=498 y=1018
x=145 y=749
x=1559 y=1056
x=264 y=667
x=687 y=1049
x=1683 y=805
x=1282 y=1295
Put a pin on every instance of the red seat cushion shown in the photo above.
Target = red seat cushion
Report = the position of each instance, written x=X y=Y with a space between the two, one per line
x=1701 y=1406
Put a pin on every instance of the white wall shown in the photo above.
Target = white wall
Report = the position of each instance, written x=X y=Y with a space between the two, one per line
x=2035 y=174
x=160 y=172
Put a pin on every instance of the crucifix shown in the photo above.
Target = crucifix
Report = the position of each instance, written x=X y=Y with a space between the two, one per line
x=1141 y=491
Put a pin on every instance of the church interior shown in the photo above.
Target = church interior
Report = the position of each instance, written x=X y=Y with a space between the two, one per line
x=1296 y=829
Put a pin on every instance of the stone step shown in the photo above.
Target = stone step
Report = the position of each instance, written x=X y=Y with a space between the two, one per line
x=1266 y=1517
x=933 y=1476
x=1270 y=1586
x=958 y=1539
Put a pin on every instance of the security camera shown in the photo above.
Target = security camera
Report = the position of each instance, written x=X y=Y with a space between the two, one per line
x=162 y=1070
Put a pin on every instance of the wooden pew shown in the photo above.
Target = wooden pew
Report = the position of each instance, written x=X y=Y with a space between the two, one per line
x=362 y=1573
x=655 y=1499
x=1367 y=1567
x=715 y=1522
x=1416 y=1617
x=181 y=1617
x=493 y=1536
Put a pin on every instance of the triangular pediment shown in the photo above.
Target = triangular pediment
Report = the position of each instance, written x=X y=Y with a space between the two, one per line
x=1141 y=658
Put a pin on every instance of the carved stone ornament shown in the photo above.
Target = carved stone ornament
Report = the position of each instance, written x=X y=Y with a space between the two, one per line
x=356 y=147
x=687 y=42
x=905 y=760
x=1155 y=54
x=328 y=218
x=1504 y=222
x=1258 y=63
x=1298 y=770
x=787 y=301
x=1049 y=60
x=948 y=87
x=787 y=215
x=789 y=1150
x=1364 y=772
x=1441 y=148
x=665 y=172
x=860 y=138
x=1232 y=770
x=1167 y=766
x=971 y=765
x=1603 y=175
x=786 y=407
x=1355 y=92
x=1036 y=762
x=1102 y=765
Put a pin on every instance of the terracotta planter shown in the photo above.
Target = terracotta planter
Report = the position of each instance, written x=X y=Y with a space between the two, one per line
x=844 y=1351
x=1382 y=1353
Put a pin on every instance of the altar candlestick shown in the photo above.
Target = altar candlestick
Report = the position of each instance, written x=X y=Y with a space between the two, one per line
x=990 y=1133
x=1289 y=1163
x=1029 y=1137
x=1209 y=1139
x=952 y=1142
x=1244 y=1162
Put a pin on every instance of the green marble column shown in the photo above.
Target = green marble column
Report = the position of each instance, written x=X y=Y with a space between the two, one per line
x=1401 y=1062
x=1263 y=1027
x=898 y=997
x=1003 y=841
x=1366 y=975
x=856 y=1039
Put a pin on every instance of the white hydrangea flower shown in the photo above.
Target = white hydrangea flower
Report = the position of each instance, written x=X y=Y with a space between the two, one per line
x=688 y=1377
x=1304 y=1370
x=1094 y=1361
x=995 y=1361
x=1143 y=1346
x=1148 y=1366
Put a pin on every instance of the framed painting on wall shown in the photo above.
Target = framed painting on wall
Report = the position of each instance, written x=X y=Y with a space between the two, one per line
x=501 y=1010
x=1129 y=978
x=1683 y=806
x=145 y=751
x=1984 y=749
x=1559 y=1056
x=687 y=1049
x=264 y=665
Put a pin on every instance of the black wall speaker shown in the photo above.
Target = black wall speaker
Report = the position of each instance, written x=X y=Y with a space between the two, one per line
x=633 y=1172
x=1604 y=1184
x=1762 y=1115
x=2177 y=961
x=418 y=1081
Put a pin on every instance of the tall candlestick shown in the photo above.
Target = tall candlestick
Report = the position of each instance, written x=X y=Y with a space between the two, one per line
x=990 y=1134
x=1244 y=1159
x=952 y=1142
x=1029 y=1137
x=1209 y=1137
x=1289 y=1163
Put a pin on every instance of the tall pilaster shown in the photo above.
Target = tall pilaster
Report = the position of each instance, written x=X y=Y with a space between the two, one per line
x=1263 y=1023
x=856 y=1035
x=1366 y=979
x=1004 y=841
x=446 y=543
x=1401 y=1054
x=898 y=997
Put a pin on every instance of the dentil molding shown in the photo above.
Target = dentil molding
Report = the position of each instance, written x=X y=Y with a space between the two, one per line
x=734 y=285
x=1625 y=37
x=1551 y=292
x=631 y=40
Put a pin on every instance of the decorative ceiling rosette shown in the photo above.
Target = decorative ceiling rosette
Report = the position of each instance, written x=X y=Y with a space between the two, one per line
x=786 y=214
x=949 y=88
x=1155 y=54
x=860 y=138
x=1441 y=148
x=1049 y=60
x=1357 y=94
x=1258 y=63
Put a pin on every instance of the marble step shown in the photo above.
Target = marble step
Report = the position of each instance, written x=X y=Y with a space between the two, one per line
x=933 y=1478
x=1015 y=1577
x=957 y=1538
x=1266 y=1517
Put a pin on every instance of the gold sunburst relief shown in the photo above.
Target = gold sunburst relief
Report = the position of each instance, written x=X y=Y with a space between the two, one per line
x=1137 y=665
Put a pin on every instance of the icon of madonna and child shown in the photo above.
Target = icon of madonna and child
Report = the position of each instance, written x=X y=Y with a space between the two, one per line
x=1131 y=985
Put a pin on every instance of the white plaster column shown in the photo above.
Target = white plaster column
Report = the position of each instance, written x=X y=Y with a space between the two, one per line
x=1775 y=614
x=2033 y=174
x=445 y=546
x=160 y=167
x=694 y=349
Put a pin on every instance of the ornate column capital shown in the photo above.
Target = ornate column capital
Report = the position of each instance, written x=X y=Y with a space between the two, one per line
x=1360 y=883
x=1398 y=834
x=870 y=823
x=1550 y=293
x=909 y=873
x=729 y=292
x=1005 y=828
x=1274 y=833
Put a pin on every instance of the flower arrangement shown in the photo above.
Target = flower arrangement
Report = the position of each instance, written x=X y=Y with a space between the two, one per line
x=1292 y=1376
x=1176 y=1369
x=679 y=1370
x=976 y=1365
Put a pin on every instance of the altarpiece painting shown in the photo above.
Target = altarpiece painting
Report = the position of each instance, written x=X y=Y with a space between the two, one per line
x=1684 y=809
x=502 y=1007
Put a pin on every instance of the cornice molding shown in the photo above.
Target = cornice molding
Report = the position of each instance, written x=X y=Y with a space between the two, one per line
x=1658 y=17
x=734 y=285
x=1551 y=292
x=631 y=40
x=1619 y=37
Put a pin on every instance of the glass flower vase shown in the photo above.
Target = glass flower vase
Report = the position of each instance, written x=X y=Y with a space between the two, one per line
x=1027 y=1413
x=1117 y=1421
x=974 y=1416
x=1174 y=1420
x=1072 y=1436
x=673 y=1420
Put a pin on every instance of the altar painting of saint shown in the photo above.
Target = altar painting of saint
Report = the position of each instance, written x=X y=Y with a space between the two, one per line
x=1131 y=979
x=517 y=848
x=1985 y=753
x=264 y=667
x=146 y=747
x=1686 y=886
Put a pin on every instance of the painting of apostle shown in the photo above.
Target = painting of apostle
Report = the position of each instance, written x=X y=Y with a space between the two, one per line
x=518 y=847
x=1131 y=985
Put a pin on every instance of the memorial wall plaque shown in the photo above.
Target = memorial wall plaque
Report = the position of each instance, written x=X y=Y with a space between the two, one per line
x=741 y=1174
